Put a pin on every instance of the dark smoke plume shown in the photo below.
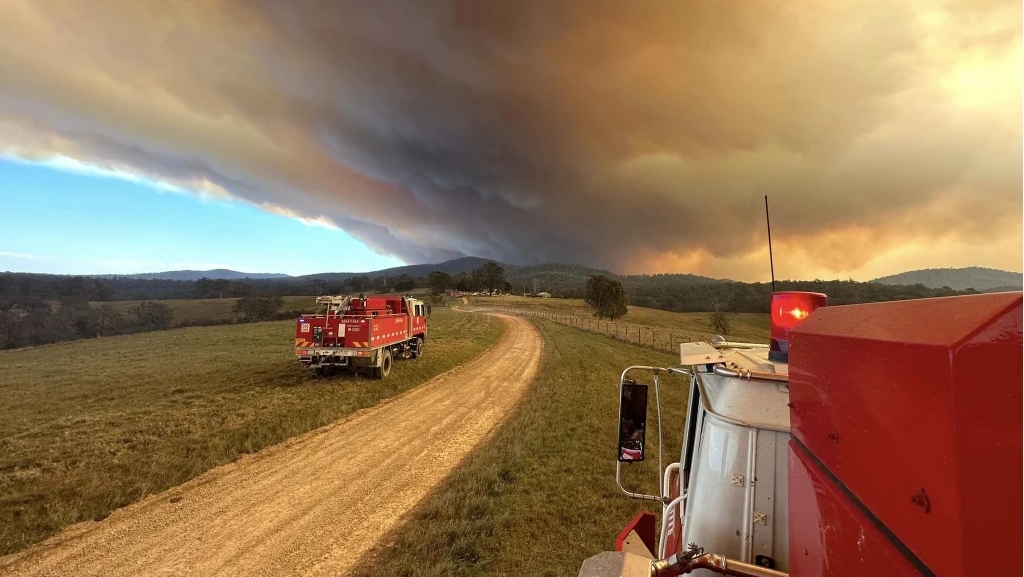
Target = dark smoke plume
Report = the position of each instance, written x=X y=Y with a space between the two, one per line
x=635 y=136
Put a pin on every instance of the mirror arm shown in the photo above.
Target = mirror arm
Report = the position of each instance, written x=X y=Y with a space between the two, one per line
x=631 y=495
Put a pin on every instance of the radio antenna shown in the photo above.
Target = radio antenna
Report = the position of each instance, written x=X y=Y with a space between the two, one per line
x=768 y=220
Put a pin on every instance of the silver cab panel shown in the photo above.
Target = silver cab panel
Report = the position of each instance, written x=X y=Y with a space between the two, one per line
x=735 y=464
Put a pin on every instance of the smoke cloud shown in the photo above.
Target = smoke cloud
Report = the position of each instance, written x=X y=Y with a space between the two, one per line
x=635 y=136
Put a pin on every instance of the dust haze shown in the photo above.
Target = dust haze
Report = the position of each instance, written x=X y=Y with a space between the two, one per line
x=639 y=137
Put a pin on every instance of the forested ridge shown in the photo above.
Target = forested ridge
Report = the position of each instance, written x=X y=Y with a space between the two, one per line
x=980 y=278
x=41 y=308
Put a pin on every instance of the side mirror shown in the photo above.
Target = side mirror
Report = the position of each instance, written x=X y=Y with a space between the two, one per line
x=632 y=421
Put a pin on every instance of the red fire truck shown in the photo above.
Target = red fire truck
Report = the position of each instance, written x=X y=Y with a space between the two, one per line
x=361 y=333
x=872 y=439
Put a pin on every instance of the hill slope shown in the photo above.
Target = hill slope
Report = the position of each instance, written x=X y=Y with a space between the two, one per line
x=976 y=277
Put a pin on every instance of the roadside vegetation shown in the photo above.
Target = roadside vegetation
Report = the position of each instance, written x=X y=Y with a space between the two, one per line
x=539 y=496
x=91 y=426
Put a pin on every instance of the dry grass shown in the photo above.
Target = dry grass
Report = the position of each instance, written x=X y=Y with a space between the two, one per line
x=539 y=497
x=191 y=310
x=659 y=329
x=90 y=426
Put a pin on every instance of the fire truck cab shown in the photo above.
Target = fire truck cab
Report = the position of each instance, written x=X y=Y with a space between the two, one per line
x=872 y=439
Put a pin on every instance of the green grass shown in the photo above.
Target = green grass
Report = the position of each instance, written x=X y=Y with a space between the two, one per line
x=90 y=426
x=539 y=497
x=661 y=329
x=192 y=310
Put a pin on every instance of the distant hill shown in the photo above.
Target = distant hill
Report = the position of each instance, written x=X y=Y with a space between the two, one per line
x=975 y=277
x=452 y=267
x=219 y=273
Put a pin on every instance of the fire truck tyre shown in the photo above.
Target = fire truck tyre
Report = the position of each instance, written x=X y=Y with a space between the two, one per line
x=385 y=365
x=417 y=348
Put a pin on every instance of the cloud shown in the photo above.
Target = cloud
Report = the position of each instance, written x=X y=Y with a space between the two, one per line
x=634 y=136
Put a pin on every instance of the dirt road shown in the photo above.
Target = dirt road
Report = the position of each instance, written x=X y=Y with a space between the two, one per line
x=314 y=504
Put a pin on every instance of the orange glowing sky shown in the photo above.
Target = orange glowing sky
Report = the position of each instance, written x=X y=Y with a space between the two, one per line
x=633 y=136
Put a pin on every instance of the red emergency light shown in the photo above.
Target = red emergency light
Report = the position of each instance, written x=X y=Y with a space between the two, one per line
x=788 y=309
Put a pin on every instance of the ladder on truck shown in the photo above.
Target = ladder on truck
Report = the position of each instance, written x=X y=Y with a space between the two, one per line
x=333 y=304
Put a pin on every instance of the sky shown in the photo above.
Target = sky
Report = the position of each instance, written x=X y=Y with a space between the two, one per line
x=639 y=137
x=74 y=222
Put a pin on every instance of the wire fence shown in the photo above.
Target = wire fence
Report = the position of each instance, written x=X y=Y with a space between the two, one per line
x=658 y=338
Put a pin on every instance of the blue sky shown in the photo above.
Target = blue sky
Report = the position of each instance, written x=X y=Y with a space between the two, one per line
x=63 y=221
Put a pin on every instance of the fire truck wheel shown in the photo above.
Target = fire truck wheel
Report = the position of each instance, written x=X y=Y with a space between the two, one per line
x=385 y=365
x=417 y=348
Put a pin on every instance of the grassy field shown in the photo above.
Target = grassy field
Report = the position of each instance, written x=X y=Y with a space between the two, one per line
x=90 y=426
x=191 y=310
x=539 y=497
x=651 y=327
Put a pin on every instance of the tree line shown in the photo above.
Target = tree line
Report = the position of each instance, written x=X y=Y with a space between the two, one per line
x=489 y=277
x=742 y=297
x=681 y=293
x=608 y=296
x=39 y=308
x=36 y=322
x=26 y=286
x=31 y=322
